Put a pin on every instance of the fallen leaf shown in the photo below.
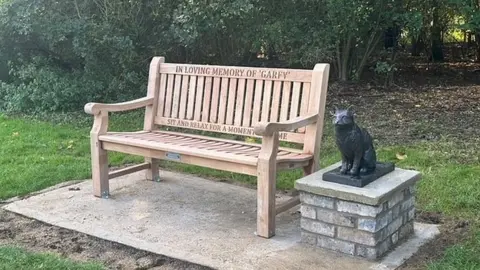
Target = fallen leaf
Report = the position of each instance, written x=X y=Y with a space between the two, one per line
x=401 y=156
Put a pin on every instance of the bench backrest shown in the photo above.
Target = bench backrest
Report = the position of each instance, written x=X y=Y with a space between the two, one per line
x=229 y=99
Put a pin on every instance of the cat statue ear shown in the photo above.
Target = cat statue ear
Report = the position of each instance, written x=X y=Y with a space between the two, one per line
x=351 y=111
x=333 y=113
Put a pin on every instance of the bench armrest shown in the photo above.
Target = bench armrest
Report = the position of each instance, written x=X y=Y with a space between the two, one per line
x=267 y=129
x=96 y=108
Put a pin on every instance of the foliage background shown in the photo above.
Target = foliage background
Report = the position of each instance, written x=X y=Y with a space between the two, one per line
x=59 y=55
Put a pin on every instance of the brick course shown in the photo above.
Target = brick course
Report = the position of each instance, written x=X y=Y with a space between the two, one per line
x=354 y=228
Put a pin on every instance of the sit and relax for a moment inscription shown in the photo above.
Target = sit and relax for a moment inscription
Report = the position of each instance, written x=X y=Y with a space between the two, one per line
x=246 y=131
x=232 y=72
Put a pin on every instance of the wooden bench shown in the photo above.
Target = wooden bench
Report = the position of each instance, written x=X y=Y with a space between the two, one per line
x=272 y=104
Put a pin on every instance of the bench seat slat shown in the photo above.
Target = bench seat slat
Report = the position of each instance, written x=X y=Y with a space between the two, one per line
x=208 y=145
x=201 y=146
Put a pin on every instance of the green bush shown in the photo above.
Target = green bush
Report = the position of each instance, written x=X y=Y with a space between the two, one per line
x=57 y=55
x=62 y=54
x=46 y=89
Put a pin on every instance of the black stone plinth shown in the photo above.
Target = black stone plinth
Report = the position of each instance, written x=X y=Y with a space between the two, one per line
x=365 y=179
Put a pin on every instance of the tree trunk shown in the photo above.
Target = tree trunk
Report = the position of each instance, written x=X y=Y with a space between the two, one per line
x=345 y=60
x=343 y=73
x=371 y=45
x=272 y=53
x=477 y=42
x=4 y=75
x=417 y=45
x=390 y=38
x=437 y=50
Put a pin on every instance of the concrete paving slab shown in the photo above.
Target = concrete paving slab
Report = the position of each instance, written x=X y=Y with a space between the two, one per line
x=197 y=220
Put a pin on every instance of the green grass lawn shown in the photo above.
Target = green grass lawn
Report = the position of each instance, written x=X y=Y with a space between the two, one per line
x=464 y=257
x=36 y=154
x=16 y=258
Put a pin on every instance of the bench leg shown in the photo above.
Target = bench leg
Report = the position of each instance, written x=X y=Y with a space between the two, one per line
x=312 y=167
x=152 y=173
x=99 y=170
x=266 y=199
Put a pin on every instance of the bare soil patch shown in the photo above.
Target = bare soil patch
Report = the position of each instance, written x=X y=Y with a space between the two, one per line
x=40 y=237
x=405 y=115
x=452 y=232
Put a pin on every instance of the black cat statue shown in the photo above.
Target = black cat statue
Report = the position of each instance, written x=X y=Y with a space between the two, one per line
x=359 y=159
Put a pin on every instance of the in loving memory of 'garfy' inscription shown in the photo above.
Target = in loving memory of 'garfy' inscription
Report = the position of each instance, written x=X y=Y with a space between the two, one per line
x=232 y=72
